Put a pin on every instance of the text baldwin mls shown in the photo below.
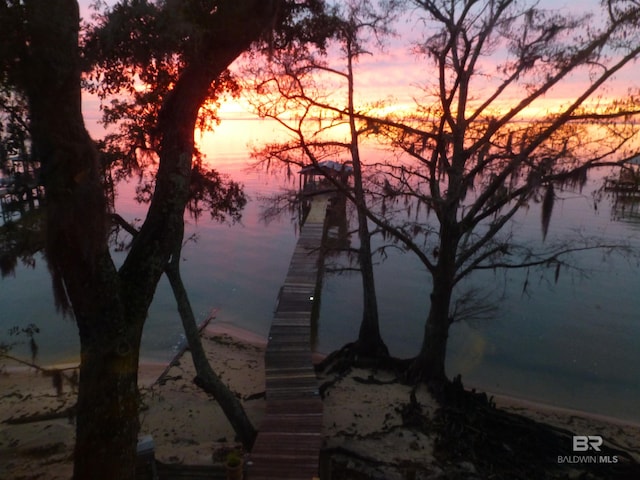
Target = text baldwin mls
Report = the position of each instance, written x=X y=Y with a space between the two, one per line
x=587 y=443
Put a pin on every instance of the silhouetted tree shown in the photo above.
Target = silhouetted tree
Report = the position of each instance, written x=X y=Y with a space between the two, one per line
x=41 y=58
x=481 y=143
x=289 y=85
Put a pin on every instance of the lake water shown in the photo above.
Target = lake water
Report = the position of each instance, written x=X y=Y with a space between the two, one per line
x=574 y=343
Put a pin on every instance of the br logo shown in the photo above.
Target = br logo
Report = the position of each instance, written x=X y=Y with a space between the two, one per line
x=583 y=443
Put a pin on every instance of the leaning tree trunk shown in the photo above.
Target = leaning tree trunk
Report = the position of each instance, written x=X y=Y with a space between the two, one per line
x=206 y=377
x=153 y=250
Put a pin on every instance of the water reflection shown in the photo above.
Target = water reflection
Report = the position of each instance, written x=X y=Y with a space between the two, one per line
x=572 y=343
x=626 y=208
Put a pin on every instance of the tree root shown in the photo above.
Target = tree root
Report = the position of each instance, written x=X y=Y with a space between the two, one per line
x=349 y=356
x=509 y=446
x=474 y=439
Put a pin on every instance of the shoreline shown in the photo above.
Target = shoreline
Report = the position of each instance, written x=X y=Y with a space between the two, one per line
x=189 y=428
x=514 y=402
x=150 y=369
x=502 y=398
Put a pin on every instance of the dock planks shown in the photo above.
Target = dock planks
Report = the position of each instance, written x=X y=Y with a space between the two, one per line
x=290 y=436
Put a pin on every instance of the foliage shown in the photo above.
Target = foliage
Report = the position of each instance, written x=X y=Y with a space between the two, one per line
x=233 y=459
x=300 y=25
x=30 y=331
x=135 y=53
x=13 y=124
x=13 y=108
x=465 y=146
x=474 y=154
x=110 y=304
x=20 y=240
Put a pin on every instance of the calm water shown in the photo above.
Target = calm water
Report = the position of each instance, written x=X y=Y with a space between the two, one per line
x=574 y=343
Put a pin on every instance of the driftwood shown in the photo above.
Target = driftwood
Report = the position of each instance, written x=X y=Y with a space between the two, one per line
x=255 y=396
x=184 y=346
x=371 y=380
x=68 y=413
x=58 y=375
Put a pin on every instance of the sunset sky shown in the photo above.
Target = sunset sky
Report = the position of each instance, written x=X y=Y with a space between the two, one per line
x=396 y=75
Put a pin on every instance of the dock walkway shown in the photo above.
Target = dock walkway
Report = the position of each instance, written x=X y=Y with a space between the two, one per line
x=290 y=436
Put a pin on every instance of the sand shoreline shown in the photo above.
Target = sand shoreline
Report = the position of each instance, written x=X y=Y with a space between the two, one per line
x=501 y=398
x=151 y=368
x=504 y=400
x=188 y=427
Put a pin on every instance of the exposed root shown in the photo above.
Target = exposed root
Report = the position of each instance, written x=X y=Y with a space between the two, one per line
x=509 y=446
x=471 y=437
x=350 y=356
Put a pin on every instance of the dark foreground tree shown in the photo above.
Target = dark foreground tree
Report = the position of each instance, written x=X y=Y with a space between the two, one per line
x=483 y=144
x=41 y=58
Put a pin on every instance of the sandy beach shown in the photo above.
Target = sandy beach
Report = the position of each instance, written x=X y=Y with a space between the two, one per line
x=365 y=418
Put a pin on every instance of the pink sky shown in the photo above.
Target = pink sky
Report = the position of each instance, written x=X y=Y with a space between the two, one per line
x=396 y=74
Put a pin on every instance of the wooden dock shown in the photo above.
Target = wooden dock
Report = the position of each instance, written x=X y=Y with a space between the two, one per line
x=290 y=436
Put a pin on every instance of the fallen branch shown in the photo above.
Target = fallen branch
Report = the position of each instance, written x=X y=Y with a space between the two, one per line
x=56 y=374
x=371 y=380
x=69 y=413
x=36 y=366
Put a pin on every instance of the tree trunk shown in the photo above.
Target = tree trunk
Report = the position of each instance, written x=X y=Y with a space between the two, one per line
x=370 y=341
x=84 y=277
x=429 y=365
x=110 y=307
x=207 y=378
x=107 y=408
x=163 y=227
